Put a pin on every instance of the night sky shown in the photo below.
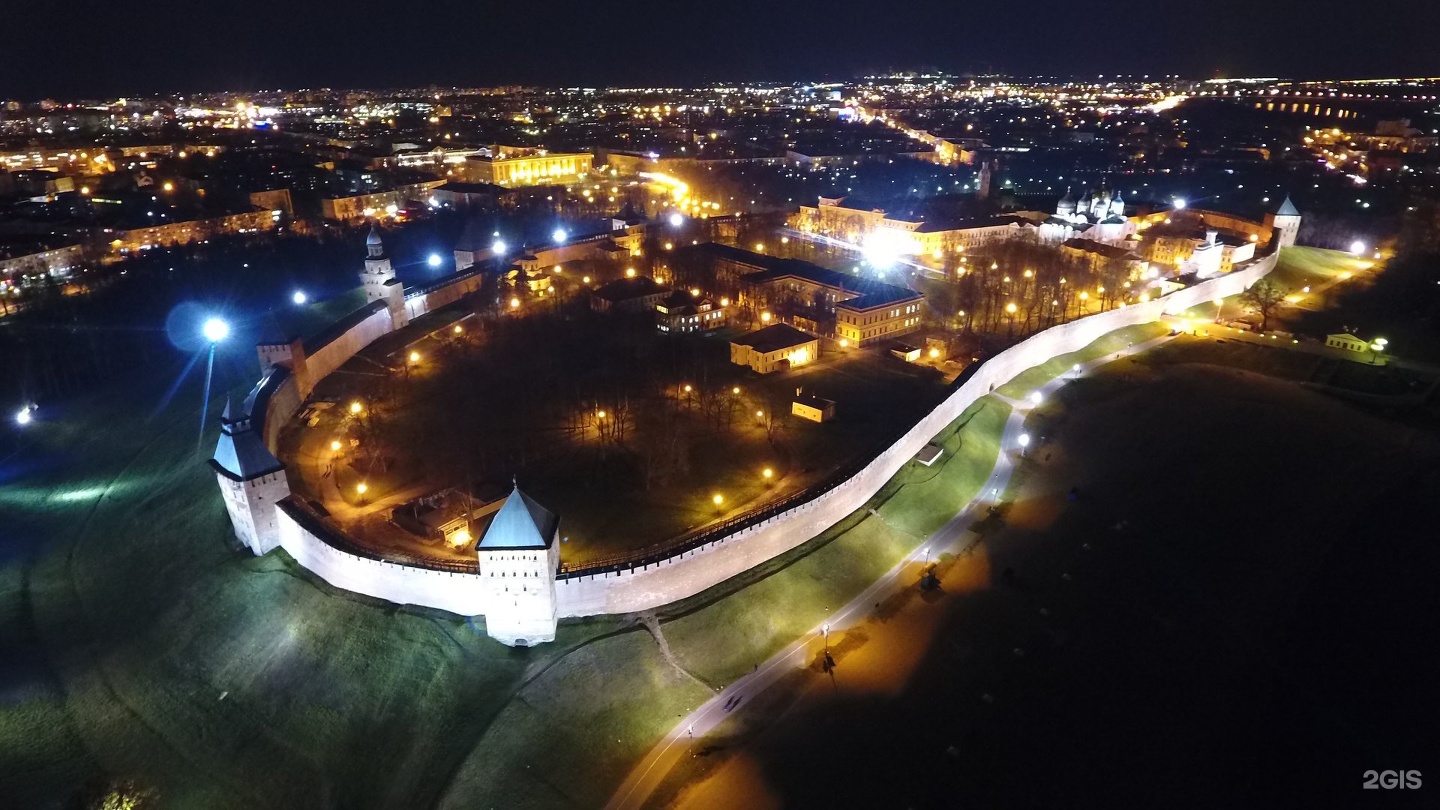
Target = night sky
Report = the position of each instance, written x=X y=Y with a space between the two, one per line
x=93 y=49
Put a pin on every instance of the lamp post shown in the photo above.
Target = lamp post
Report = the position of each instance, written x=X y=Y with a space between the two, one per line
x=214 y=330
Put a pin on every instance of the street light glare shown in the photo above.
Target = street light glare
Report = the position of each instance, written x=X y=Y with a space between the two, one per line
x=434 y=260
x=23 y=417
x=559 y=235
x=1024 y=439
x=215 y=330
x=299 y=298
x=1179 y=203
x=676 y=220
x=498 y=247
x=1357 y=247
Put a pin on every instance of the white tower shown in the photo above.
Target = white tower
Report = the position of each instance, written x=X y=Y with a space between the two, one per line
x=252 y=480
x=519 y=556
x=1286 y=222
x=377 y=268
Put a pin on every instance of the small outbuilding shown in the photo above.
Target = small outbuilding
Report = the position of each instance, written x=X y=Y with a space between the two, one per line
x=775 y=348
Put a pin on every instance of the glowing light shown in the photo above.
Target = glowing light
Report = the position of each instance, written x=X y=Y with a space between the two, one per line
x=458 y=330
x=586 y=279
x=629 y=272
x=735 y=390
x=1357 y=247
x=885 y=246
x=676 y=220
x=298 y=297
x=335 y=445
x=460 y=538
x=934 y=353
x=514 y=303
x=768 y=473
x=434 y=260
x=169 y=186
x=215 y=330
x=1011 y=308
x=559 y=235
x=23 y=417
x=1036 y=397
x=1179 y=203
x=844 y=343
x=362 y=488
x=717 y=499
x=414 y=357
x=599 y=414
x=764 y=317
x=1024 y=439
x=498 y=248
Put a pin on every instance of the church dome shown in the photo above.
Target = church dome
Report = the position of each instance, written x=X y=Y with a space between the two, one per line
x=373 y=238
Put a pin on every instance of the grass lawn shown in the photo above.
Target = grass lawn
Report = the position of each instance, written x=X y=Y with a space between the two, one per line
x=722 y=640
x=1032 y=378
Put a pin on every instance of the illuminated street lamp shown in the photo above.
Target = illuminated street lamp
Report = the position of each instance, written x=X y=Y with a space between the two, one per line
x=299 y=298
x=767 y=474
x=676 y=220
x=717 y=499
x=1357 y=247
x=498 y=247
x=24 y=417
x=214 y=330
x=434 y=260
x=1036 y=397
x=356 y=407
x=559 y=235
x=414 y=357
x=335 y=445
x=735 y=390
x=1024 y=439
x=1179 y=203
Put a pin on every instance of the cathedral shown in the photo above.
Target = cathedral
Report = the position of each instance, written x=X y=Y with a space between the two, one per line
x=1099 y=216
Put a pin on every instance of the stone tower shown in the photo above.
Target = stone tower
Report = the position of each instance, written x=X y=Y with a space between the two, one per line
x=519 y=556
x=377 y=270
x=982 y=189
x=252 y=479
x=1285 y=222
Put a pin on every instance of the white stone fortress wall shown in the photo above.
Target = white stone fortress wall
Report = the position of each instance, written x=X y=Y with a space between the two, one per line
x=687 y=573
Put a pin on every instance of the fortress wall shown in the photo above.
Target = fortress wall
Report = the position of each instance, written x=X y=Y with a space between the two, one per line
x=448 y=294
x=694 y=571
x=283 y=404
x=458 y=593
x=337 y=352
x=691 y=572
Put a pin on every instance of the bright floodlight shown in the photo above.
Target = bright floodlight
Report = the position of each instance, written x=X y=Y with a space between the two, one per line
x=559 y=235
x=23 y=417
x=434 y=260
x=498 y=248
x=884 y=247
x=1024 y=439
x=215 y=330
x=676 y=219
x=1357 y=247
x=1036 y=397
x=1179 y=203
x=298 y=298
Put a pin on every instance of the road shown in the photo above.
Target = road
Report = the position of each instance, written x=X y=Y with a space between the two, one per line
x=953 y=538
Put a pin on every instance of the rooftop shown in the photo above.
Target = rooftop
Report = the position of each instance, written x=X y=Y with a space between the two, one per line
x=774 y=338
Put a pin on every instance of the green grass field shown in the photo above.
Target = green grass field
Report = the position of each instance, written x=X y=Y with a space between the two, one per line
x=1032 y=378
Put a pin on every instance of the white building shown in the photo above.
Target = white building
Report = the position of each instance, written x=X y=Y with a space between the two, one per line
x=250 y=477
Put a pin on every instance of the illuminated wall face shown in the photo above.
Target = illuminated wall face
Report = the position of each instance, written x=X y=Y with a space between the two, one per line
x=799 y=357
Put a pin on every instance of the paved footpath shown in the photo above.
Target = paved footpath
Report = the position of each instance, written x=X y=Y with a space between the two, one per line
x=647 y=775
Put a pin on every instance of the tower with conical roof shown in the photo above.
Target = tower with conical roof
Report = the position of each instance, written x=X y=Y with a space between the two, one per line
x=1066 y=207
x=251 y=478
x=519 y=557
x=377 y=272
x=1285 y=223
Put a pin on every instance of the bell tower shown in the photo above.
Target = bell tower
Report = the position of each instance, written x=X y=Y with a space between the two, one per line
x=377 y=268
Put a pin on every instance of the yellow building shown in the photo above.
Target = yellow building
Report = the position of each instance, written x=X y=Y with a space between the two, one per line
x=775 y=348
x=512 y=166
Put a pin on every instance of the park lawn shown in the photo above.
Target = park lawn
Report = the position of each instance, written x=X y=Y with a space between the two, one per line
x=160 y=654
x=930 y=496
x=1032 y=378
x=726 y=637
x=1301 y=266
x=1272 y=361
x=573 y=733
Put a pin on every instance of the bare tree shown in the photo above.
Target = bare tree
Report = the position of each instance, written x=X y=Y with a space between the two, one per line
x=1264 y=296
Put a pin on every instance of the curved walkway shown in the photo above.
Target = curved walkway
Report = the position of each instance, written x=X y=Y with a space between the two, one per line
x=647 y=775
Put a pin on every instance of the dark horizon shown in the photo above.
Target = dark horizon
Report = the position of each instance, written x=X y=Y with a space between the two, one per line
x=166 y=48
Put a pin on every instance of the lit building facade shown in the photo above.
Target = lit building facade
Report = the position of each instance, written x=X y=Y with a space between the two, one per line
x=512 y=166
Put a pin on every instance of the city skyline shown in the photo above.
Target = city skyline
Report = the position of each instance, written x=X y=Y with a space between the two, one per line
x=267 y=45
